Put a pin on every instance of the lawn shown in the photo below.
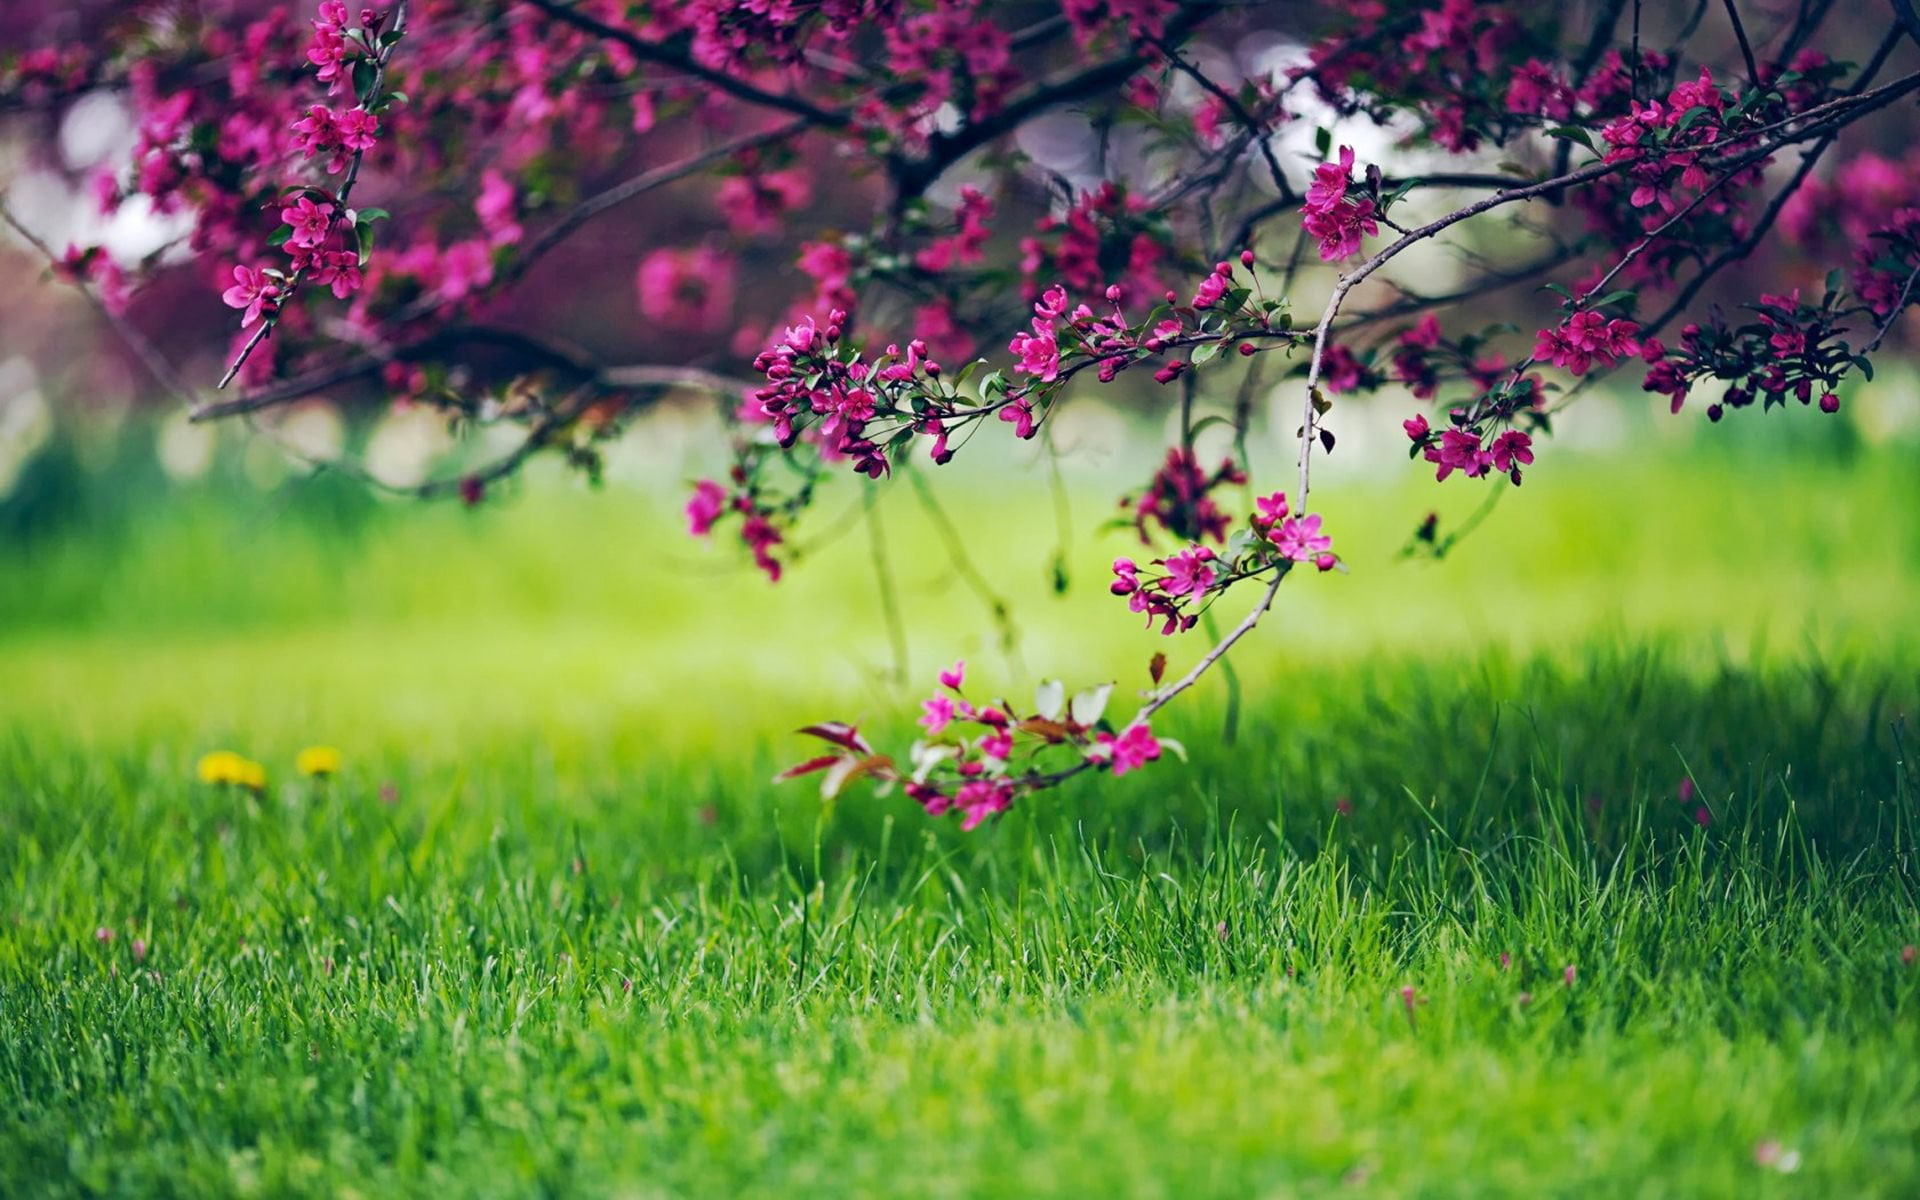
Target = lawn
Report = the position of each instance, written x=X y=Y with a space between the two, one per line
x=1580 y=863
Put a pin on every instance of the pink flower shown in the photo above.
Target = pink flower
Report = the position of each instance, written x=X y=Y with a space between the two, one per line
x=1300 y=538
x=1511 y=450
x=254 y=291
x=1424 y=335
x=1134 y=748
x=1188 y=572
x=936 y=713
x=1567 y=976
x=754 y=204
x=337 y=270
x=496 y=206
x=465 y=268
x=103 y=934
x=979 y=799
x=689 y=291
x=1020 y=415
x=998 y=744
x=953 y=676
x=1458 y=450
x=310 y=222
x=356 y=128
x=317 y=130
x=1214 y=286
x=708 y=502
x=1330 y=216
x=1039 y=352
x=1330 y=180
x=1585 y=338
x=1270 y=511
x=1341 y=371
x=1535 y=90
x=1416 y=427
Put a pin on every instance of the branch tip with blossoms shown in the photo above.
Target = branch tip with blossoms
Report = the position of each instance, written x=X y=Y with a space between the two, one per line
x=350 y=59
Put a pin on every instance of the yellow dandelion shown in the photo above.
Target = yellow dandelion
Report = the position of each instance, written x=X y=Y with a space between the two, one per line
x=318 y=761
x=221 y=766
x=251 y=775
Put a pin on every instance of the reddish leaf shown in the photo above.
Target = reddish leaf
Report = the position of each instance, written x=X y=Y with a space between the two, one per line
x=839 y=733
x=807 y=768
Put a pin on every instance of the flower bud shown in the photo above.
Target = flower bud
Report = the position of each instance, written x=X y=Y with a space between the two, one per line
x=1829 y=403
x=1246 y=258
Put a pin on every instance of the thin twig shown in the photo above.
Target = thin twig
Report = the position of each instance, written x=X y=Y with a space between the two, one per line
x=1160 y=698
x=732 y=84
x=1746 y=47
x=156 y=363
x=268 y=321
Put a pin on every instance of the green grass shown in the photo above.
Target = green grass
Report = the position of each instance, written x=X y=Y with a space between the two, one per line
x=551 y=932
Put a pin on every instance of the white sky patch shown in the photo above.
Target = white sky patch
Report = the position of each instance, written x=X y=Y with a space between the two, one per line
x=96 y=133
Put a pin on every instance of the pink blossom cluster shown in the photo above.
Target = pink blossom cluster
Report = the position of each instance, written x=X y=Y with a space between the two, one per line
x=1667 y=142
x=335 y=45
x=1188 y=579
x=711 y=501
x=1424 y=358
x=1103 y=224
x=1791 y=349
x=965 y=766
x=1464 y=448
x=337 y=135
x=687 y=290
x=1294 y=539
x=1866 y=210
x=1442 y=63
x=1179 y=498
x=1586 y=338
x=1336 y=219
x=1185 y=579
x=966 y=246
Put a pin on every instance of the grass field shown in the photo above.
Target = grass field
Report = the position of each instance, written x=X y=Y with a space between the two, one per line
x=1438 y=923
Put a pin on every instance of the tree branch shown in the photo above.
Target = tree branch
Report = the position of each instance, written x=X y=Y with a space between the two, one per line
x=653 y=52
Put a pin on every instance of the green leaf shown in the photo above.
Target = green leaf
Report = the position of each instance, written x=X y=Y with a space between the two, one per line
x=1572 y=133
x=279 y=236
x=365 y=75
